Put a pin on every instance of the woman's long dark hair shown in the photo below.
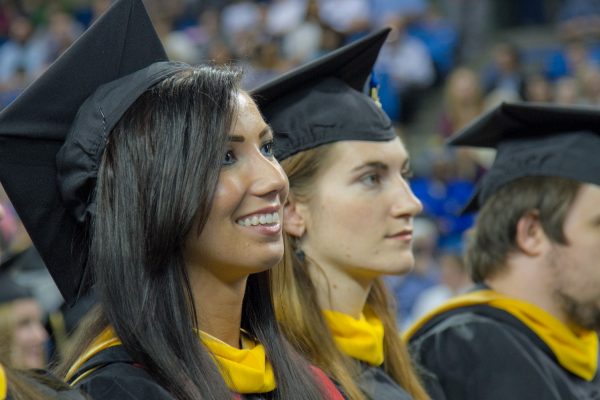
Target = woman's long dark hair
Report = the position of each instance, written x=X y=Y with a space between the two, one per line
x=159 y=172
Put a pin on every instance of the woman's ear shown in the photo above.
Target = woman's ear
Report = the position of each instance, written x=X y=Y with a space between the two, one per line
x=294 y=222
x=530 y=237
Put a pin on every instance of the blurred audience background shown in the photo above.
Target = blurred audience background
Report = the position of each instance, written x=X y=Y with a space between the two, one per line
x=445 y=63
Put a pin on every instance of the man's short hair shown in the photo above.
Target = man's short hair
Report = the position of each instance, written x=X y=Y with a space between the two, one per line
x=493 y=238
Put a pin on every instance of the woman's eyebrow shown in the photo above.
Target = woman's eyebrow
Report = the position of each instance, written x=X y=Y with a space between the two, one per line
x=236 y=138
x=267 y=129
x=371 y=164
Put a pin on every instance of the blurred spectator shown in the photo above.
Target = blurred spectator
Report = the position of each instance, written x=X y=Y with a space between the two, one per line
x=505 y=70
x=382 y=10
x=444 y=189
x=219 y=53
x=567 y=92
x=590 y=86
x=579 y=19
x=62 y=32
x=471 y=18
x=405 y=67
x=240 y=16
x=348 y=17
x=33 y=385
x=302 y=43
x=204 y=33
x=19 y=258
x=22 y=334
x=284 y=16
x=330 y=40
x=440 y=39
x=266 y=63
x=454 y=280
x=23 y=51
x=463 y=100
x=572 y=60
x=537 y=88
x=7 y=11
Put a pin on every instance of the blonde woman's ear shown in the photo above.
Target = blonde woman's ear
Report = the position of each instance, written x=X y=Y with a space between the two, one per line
x=294 y=222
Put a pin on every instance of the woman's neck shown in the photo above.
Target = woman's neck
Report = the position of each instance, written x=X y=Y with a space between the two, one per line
x=338 y=290
x=218 y=305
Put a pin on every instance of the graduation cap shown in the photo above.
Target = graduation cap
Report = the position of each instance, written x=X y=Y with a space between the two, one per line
x=322 y=102
x=51 y=191
x=534 y=140
x=10 y=290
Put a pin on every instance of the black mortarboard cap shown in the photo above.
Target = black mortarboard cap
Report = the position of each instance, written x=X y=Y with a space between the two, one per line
x=10 y=290
x=534 y=140
x=322 y=102
x=35 y=126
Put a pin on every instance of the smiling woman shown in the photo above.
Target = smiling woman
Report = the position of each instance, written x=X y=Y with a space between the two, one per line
x=163 y=192
x=347 y=222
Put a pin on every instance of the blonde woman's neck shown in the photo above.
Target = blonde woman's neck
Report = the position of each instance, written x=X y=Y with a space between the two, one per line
x=338 y=290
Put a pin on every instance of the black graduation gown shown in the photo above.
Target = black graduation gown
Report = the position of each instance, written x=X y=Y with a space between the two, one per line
x=117 y=377
x=377 y=385
x=484 y=353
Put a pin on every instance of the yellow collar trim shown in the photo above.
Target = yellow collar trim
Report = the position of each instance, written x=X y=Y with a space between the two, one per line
x=245 y=370
x=105 y=340
x=3 y=384
x=361 y=338
x=575 y=348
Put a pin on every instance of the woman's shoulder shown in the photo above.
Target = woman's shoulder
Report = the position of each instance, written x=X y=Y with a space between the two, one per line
x=123 y=382
x=376 y=384
x=112 y=374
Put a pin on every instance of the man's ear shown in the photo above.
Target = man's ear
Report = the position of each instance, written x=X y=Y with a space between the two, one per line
x=294 y=222
x=530 y=237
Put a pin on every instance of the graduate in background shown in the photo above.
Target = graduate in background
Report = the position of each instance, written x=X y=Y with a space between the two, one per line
x=528 y=329
x=22 y=334
x=21 y=385
x=348 y=222
x=156 y=181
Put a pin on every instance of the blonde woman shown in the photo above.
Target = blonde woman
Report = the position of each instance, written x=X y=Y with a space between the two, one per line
x=347 y=222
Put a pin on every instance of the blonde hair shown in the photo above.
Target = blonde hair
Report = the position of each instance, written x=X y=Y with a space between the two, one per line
x=7 y=328
x=463 y=104
x=299 y=313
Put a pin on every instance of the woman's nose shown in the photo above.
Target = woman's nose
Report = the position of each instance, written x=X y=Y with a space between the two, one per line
x=269 y=179
x=406 y=204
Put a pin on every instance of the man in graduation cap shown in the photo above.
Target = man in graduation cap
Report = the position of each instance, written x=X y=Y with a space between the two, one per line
x=528 y=329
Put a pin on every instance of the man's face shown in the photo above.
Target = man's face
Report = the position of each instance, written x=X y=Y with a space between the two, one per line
x=577 y=264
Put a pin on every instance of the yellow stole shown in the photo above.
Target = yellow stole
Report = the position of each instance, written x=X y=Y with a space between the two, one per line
x=3 y=384
x=244 y=370
x=361 y=339
x=575 y=348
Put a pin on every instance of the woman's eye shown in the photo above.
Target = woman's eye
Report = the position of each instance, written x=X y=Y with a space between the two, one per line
x=267 y=149
x=229 y=158
x=407 y=173
x=371 y=179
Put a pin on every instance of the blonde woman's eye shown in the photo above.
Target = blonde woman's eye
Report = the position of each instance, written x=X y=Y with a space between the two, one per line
x=371 y=179
x=267 y=149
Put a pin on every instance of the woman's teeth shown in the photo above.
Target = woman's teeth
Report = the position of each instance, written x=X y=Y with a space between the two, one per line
x=260 y=219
